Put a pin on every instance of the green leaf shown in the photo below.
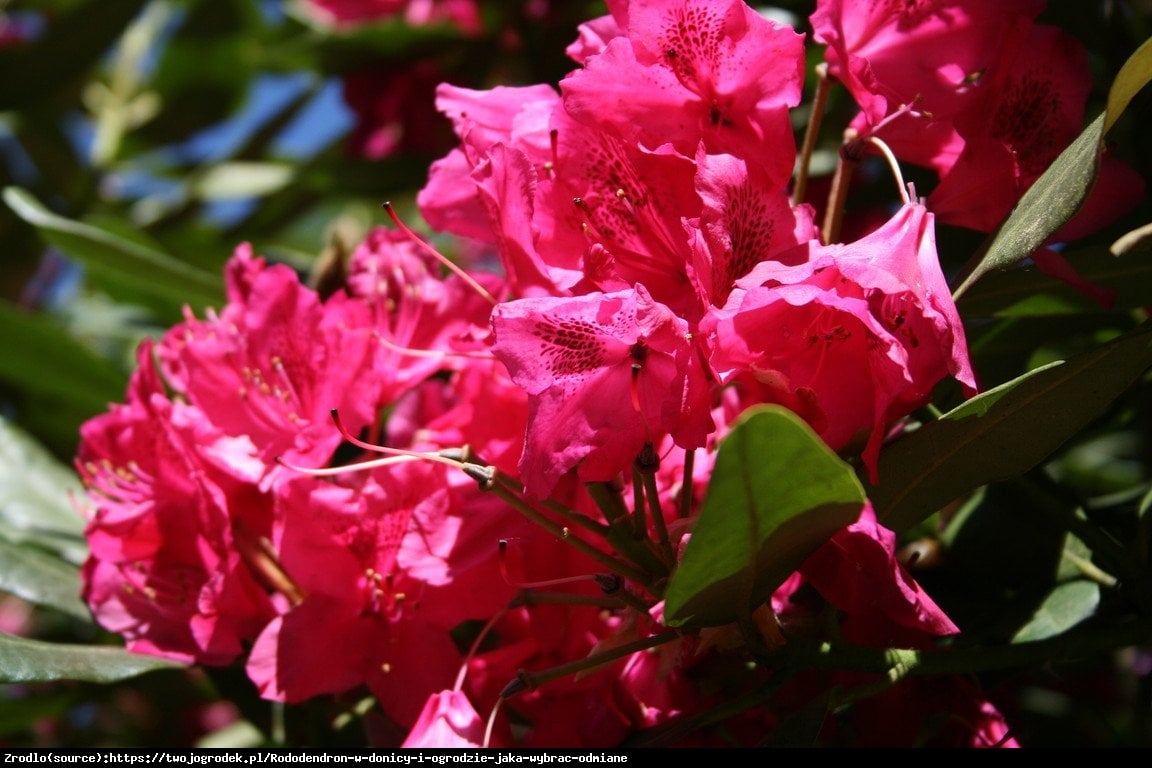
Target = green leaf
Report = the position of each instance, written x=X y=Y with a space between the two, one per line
x=34 y=497
x=777 y=493
x=41 y=579
x=1003 y=432
x=133 y=264
x=1067 y=605
x=27 y=661
x=40 y=355
x=1056 y=195
x=242 y=179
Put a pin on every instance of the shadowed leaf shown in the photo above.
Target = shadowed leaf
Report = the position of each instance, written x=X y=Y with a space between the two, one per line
x=1003 y=432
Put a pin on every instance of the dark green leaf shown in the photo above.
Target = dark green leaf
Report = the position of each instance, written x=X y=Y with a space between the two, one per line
x=1057 y=194
x=25 y=661
x=117 y=258
x=1029 y=292
x=40 y=355
x=41 y=579
x=1003 y=432
x=68 y=48
x=777 y=493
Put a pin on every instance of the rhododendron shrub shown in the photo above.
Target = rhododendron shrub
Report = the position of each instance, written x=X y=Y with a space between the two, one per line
x=530 y=506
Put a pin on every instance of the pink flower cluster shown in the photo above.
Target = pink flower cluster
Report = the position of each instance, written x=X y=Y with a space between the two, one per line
x=656 y=281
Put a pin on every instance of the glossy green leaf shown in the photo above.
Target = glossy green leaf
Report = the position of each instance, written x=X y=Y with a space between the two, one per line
x=1003 y=432
x=1056 y=195
x=26 y=661
x=777 y=493
x=35 y=491
x=41 y=579
x=125 y=261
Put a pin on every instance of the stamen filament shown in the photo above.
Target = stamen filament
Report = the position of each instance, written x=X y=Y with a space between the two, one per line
x=452 y=266
x=430 y=353
x=475 y=647
x=359 y=466
x=893 y=164
x=491 y=723
x=557 y=582
x=443 y=457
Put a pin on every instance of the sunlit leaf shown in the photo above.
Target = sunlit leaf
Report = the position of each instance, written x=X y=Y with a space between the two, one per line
x=41 y=579
x=1067 y=605
x=1057 y=194
x=25 y=661
x=122 y=260
x=777 y=493
x=1003 y=432
x=240 y=179
x=34 y=497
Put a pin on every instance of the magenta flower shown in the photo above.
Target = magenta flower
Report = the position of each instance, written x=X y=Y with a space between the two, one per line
x=419 y=320
x=920 y=64
x=876 y=313
x=745 y=221
x=383 y=572
x=173 y=512
x=275 y=362
x=692 y=72
x=343 y=13
x=1031 y=107
x=991 y=100
x=604 y=373
x=448 y=720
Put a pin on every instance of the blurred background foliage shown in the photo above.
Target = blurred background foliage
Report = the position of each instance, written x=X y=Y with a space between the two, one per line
x=142 y=140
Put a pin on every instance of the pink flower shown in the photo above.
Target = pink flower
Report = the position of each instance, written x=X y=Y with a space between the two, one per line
x=692 y=72
x=745 y=220
x=928 y=57
x=174 y=510
x=447 y=720
x=882 y=606
x=343 y=13
x=386 y=564
x=875 y=313
x=414 y=312
x=275 y=361
x=1028 y=111
x=516 y=117
x=604 y=373
x=989 y=102
x=857 y=572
